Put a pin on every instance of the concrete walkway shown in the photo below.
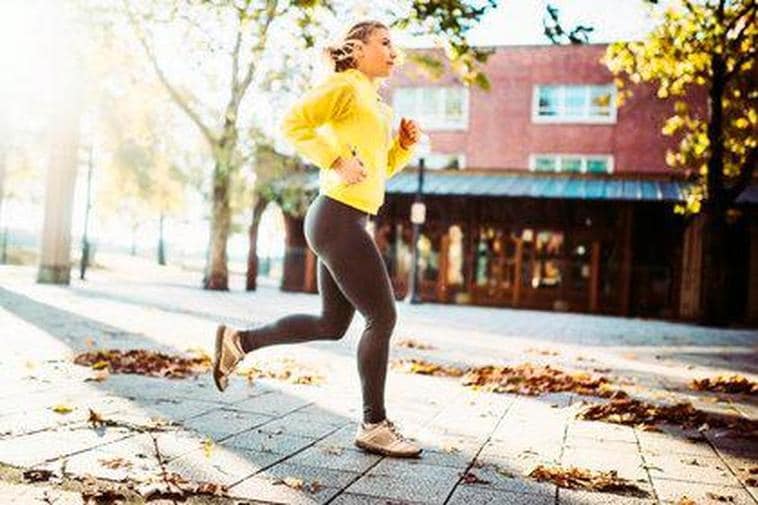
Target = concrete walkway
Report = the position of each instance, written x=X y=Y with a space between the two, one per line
x=274 y=442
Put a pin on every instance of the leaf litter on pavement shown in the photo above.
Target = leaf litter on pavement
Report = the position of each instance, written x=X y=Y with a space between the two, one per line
x=145 y=362
x=589 y=480
x=533 y=379
x=732 y=384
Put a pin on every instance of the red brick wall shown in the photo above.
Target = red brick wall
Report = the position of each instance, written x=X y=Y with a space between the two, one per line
x=501 y=134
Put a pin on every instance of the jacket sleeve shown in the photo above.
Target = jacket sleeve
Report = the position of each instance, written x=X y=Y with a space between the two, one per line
x=330 y=101
x=397 y=157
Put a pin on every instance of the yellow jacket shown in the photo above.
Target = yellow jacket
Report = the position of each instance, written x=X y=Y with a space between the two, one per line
x=345 y=111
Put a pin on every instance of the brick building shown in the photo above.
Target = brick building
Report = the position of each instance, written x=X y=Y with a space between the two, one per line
x=542 y=193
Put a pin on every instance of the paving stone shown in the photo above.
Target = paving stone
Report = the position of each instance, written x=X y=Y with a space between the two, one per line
x=304 y=426
x=28 y=450
x=671 y=491
x=261 y=441
x=478 y=495
x=23 y=494
x=275 y=491
x=273 y=404
x=337 y=458
x=628 y=465
x=690 y=468
x=504 y=478
x=577 y=497
x=132 y=459
x=219 y=424
x=600 y=431
x=425 y=488
x=669 y=443
x=362 y=499
x=324 y=476
x=547 y=449
x=222 y=465
x=392 y=467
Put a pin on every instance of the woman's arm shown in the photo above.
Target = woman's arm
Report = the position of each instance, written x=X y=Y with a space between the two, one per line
x=329 y=101
x=397 y=157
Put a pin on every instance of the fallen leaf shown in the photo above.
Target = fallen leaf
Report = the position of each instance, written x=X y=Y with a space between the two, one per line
x=37 y=475
x=418 y=366
x=580 y=478
x=471 y=478
x=414 y=344
x=720 y=497
x=207 y=447
x=731 y=384
x=62 y=409
x=115 y=463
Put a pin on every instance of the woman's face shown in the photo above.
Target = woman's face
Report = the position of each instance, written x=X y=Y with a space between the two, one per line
x=376 y=58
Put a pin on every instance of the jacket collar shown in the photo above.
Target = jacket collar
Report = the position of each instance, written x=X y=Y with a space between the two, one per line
x=363 y=78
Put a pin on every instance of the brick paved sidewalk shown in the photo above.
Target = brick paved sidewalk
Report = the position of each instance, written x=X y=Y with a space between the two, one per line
x=274 y=432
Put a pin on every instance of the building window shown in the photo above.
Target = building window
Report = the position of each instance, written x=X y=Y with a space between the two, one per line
x=436 y=108
x=440 y=161
x=576 y=163
x=574 y=104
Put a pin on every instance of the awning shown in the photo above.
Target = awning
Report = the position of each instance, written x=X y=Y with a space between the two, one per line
x=530 y=185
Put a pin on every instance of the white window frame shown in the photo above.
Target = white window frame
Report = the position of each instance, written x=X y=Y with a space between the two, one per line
x=417 y=100
x=584 y=157
x=562 y=118
x=461 y=160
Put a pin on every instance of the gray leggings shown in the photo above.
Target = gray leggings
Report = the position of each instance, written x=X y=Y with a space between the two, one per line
x=351 y=275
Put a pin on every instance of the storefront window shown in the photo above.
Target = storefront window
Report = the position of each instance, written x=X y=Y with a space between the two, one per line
x=548 y=248
x=455 y=256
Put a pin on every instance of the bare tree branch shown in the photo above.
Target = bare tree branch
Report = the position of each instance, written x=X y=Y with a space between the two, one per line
x=172 y=91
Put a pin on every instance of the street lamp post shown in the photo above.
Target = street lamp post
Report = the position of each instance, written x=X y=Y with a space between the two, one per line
x=84 y=262
x=418 y=216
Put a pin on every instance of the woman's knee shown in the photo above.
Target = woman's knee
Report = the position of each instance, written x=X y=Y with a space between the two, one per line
x=334 y=328
x=384 y=320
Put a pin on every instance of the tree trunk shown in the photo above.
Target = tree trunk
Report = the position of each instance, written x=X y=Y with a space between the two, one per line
x=217 y=274
x=252 y=255
x=293 y=272
x=715 y=310
x=161 y=243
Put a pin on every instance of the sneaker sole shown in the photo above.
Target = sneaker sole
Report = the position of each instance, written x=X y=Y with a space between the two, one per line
x=385 y=452
x=217 y=362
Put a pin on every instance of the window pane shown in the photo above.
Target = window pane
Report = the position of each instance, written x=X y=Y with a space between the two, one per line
x=548 y=100
x=544 y=164
x=404 y=101
x=429 y=104
x=571 y=164
x=597 y=165
x=600 y=98
x=453 y=105
x=576 y=101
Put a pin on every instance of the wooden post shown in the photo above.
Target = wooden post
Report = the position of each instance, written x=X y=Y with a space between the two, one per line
x=443 y=266
x=594 y=275
x=517 y=274
x=625 y=274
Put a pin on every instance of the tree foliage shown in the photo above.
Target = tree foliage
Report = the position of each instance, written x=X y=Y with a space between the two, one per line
x=698 y=48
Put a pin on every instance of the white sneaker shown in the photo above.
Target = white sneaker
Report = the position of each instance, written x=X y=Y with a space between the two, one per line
x=228 y=353
x=383 y=438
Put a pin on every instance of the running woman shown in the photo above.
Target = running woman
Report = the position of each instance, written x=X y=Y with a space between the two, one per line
x=344 y=127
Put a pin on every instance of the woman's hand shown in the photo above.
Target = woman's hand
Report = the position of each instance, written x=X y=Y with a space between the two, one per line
x=350 y=170
x=409 y=133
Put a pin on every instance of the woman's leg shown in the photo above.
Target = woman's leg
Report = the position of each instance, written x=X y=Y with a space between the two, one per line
x=335 y=318
x=357 y=267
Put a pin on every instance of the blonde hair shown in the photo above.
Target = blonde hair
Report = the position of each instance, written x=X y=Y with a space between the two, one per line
x=342 y=55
